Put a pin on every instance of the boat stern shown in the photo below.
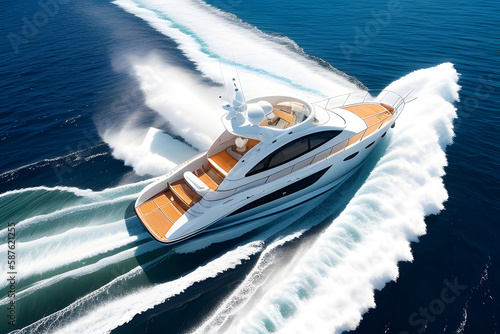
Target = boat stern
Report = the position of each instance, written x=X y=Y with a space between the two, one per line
x=159 y=214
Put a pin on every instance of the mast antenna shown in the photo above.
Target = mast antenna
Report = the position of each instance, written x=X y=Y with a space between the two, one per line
x=228 y=92
x=239 y=80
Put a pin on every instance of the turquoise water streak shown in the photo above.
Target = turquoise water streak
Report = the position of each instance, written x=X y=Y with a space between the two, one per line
x=84 y=262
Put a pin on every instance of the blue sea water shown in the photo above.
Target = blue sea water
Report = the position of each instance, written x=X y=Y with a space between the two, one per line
x=66 y=79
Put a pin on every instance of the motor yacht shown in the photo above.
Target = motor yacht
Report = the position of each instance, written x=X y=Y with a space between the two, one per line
x=276 y=152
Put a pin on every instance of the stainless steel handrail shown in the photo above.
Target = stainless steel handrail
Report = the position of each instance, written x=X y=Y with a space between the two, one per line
x=388 y=97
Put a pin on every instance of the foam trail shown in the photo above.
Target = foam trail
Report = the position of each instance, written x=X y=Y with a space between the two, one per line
x=253 y=51
x=188 y=104
x=254 y=279
x=72 y=246
x=156 y=153
x=67 y=212
x=61 y=197
x=86 y=270
x=331 y=286
x=76 y=191
x=57 y=319
x=123 y=308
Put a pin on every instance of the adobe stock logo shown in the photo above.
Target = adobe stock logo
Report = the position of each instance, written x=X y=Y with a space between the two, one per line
x=380 y=19
x=31 y=27
x=436 y=307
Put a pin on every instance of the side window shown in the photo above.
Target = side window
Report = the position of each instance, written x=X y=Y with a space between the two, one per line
x=289 y=152
x=259 y=167
x=319 y=138
x=293 y=150
x=351 y=156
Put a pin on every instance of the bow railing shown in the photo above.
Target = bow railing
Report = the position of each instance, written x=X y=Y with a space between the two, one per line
x=387 y=97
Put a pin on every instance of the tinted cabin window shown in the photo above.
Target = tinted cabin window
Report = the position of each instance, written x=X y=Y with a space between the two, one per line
x=293 y=150
x=319 y=138
x=259 y=167
x=289 y=152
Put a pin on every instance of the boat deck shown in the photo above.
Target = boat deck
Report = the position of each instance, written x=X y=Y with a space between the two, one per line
x=373 y=114
x=284 y=116
x=223 y=161
x=160 y=213
x=210 y=177
x=186 y=196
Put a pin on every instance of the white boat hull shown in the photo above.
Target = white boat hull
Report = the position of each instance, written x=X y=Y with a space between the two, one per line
x=266 y=179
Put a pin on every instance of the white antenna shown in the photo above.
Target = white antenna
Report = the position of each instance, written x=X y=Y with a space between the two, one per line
x=238 y=98
x=224 y=82
x=238 y=76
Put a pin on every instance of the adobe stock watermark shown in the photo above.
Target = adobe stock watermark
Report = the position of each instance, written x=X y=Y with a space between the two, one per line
x=67 y=166
x=150 y=78
x=420 y=319
x=31 y=26
x=372 y=28
x=482 y=92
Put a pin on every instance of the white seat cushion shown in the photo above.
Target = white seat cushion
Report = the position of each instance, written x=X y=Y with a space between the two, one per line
x=196 y=184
